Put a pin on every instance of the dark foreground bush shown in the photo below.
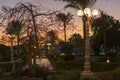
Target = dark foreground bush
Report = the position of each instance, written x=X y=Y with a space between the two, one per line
x=111 y=75
x=63 y=65
x=21 y=78
x=33 y=71
x=89 y=78
x=65 y=75
x=103 y=66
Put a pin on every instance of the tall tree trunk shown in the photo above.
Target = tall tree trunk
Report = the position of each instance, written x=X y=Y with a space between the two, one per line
x=104 y=42
x=36 y=38
x=18 y=45
x=64 y=32
x=29 y=52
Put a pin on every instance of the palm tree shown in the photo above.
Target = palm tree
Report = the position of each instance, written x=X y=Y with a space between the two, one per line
x=14 y=28
x=82 y=4
x=28 y=13
x=77 y=42
x=76 y=39
x=52 y=36
x=101 y=25
x=65 y=18
x=79 y=4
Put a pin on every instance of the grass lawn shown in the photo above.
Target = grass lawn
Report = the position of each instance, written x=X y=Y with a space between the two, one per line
x=70 y=70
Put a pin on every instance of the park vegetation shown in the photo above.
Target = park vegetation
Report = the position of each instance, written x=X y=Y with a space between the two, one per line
x=37 y=31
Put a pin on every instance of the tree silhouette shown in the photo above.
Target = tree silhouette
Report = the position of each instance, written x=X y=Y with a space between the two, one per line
x=65 y=18
x=106 y=30
x=14 y=28
x=32 y=16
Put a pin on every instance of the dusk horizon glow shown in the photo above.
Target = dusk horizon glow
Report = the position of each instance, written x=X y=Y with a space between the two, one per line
x=110 y=7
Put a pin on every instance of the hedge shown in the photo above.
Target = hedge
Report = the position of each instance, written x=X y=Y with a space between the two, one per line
x=103 y=66
x=67 y=65
x=95 y=67
x=7 y=66
x=109 y=75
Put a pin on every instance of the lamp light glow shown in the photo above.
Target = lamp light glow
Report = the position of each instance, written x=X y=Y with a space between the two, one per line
x=87 y=12
x=108 y=61
x=80 y=13
x=95 y=12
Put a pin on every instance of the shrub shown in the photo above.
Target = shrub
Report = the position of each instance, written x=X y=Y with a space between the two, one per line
x=103 y=66
x=63 y=65
x=110 y=75
x=113 y=54
x=33 y=71
x=65 y=75
x=117 y=58
x=66 y=48
x=29 y=78
x=89 y=78
x=68 y=57
x=21 y=78
x=17 y=73
x=7 y=78
x=104 y=59
x=6 y=66
x=25 y=78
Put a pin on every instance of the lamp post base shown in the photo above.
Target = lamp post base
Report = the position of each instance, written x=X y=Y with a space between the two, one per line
x=87 y=67
x=87 y=73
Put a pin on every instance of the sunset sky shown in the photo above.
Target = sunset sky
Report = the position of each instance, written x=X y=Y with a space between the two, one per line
x=111 y=7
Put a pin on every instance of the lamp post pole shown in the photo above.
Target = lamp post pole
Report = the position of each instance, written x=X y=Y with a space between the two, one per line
x=86 y=14
x=87 y=66
x=12 y=54
x=34 y=59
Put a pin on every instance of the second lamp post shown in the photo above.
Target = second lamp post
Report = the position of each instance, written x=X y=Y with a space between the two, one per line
x=12 y=53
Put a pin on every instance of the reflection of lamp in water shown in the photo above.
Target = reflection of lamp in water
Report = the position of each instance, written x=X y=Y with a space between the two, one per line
x=86 y=14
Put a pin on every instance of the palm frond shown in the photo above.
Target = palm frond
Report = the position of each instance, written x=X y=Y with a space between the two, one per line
x=62 y=17
x=66 y=18
x=79 y=4
x=72 y=6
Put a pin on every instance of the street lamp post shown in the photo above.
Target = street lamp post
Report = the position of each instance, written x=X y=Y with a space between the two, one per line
x=49 y=48
x=86 y=14
x=12 y=54
x=34 y=59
